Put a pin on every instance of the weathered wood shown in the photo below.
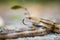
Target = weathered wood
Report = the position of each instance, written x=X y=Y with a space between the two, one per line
x=2 y=39
x=56 y=28
x=31 y=33
x=24 y=34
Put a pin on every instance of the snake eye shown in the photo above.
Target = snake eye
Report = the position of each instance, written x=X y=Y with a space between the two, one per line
x=29 y=18
x=39 y=26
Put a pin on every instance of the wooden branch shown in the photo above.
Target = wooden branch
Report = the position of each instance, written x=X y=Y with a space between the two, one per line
x=30 y=33
x=24 y=34
x=56 y=28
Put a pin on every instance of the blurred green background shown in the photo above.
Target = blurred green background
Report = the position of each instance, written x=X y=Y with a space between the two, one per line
x=35 y=7
x=43 y=2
